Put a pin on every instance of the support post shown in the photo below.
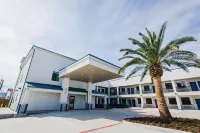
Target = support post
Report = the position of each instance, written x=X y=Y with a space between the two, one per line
x=89 y=96
x=64 y=95
x=117 y=95
x=141 y=96
x=178 y=100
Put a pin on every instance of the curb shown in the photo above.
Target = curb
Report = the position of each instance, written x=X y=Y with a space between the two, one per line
x=161 y=129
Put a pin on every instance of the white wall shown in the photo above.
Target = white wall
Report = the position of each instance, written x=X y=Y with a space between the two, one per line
x=93 y=101
x=176 y=74
x=43 y=65
x=20 y=82
x=78 y=84
x=43 y=101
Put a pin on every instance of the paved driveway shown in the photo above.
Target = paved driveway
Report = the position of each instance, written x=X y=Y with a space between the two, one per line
x=83 y=120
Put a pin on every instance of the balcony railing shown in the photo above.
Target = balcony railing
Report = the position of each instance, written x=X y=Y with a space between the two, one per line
x=186 y=89
x=128 y=92
x=188 y=107
x=168 y=90
x=173 y=106
x=147 y=92
x=113 y=93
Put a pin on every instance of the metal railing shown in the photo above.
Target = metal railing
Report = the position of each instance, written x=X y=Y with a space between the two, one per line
x=168 y=90
x=188 y=106
x=113 y=93
x=128 y=92
x=186 y=89
x=147 y=92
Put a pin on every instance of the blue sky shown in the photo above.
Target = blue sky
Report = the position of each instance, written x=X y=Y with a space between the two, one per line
x=77 y=27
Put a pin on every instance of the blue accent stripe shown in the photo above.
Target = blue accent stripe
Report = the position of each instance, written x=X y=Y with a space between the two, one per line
x=94 y=57
x=53 y=87
x=43 y=86
x=97 y=92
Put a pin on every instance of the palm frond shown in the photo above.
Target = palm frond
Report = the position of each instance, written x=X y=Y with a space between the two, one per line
x=126 y=57
x=134 y=61
x=145 y=39
x=144 y=73
x=136 y=42
x=135 y=70
x=182 y=40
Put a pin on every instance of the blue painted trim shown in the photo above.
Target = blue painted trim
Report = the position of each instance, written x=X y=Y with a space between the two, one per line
x=18 y=108
x=26 y=76
x=60 y=107
x=97 y=92
x=26 y=108
x=53 y=87
x=94 y=57
x=44 y=86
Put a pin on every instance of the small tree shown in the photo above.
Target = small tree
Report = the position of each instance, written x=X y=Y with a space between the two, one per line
x=152 y=58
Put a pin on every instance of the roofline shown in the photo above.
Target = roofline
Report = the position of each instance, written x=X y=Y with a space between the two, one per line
x=54 y=52
x=92 y=56
x=34 y=46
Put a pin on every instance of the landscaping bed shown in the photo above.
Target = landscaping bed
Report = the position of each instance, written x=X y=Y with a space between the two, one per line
x=184 y=124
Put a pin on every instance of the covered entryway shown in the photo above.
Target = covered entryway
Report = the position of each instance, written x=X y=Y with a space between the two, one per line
x=90 y=69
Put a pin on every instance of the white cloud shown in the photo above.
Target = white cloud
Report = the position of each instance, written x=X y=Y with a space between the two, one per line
x=75 y=28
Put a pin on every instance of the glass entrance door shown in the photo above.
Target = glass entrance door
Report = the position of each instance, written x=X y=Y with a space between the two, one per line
x=71 y=102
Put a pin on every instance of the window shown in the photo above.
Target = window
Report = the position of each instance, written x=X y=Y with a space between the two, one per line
x=198 y=83
x=172 y=101
x=181 y=85
x=146 y=88
x=148 y=101
x=103 y=90
x=168 y=86
x=123 y=101
x=102 y=101
x=137 y=88
x=186 y=101
x=123 y=89
x=55 y=76
x=139 y=101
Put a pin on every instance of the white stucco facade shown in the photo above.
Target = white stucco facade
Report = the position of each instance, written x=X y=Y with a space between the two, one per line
x=49 y=81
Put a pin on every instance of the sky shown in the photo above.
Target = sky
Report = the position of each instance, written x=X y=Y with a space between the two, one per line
x=76 y=28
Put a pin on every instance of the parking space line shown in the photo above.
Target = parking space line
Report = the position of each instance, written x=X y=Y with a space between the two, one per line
x=94 y=129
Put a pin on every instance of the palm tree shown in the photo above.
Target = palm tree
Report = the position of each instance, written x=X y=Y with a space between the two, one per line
x=154 y=58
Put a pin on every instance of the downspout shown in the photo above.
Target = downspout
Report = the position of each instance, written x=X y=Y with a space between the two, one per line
x=25 y=79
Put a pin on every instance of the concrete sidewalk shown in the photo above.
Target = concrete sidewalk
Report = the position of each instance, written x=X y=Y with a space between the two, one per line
x=6 y=113
x=83 y=120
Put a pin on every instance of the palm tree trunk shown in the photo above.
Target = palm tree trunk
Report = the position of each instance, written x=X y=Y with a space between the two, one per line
x=162 y=106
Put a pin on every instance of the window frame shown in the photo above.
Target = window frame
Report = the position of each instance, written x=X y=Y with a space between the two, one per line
x=179 y=82
x=185 y=98
x=146 y=86
x=172 y=103
x=55 y=76
x=149 y=99
x=168 y=88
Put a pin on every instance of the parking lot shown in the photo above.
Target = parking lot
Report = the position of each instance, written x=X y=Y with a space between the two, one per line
x=83 y=121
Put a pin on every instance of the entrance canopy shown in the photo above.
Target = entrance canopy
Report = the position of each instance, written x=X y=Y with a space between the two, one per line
x=91 y=69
